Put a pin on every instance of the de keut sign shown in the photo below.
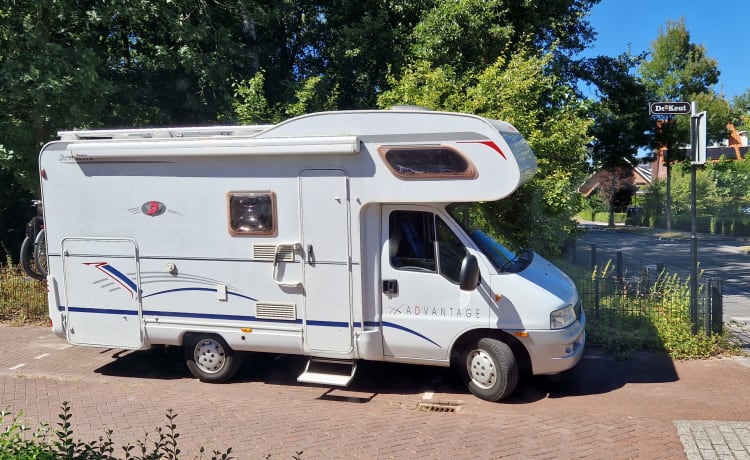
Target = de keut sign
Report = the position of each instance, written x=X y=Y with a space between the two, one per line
x=669 y=108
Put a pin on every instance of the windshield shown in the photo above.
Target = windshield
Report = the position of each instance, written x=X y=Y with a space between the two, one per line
x=502 y=258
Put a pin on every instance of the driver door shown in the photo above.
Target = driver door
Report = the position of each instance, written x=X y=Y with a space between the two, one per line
x=423 y=306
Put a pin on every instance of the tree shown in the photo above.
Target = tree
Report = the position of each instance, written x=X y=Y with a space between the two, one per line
x=676 y=70
x=732 y=185
x=620 y=124
x=500 y=59
x=472 y=34
x=539 y=215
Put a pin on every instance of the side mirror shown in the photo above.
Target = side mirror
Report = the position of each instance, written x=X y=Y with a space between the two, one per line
x=468 y=279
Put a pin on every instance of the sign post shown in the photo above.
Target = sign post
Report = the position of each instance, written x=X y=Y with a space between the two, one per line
x=697 y=157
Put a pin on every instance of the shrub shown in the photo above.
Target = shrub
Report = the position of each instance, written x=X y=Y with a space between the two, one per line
x=17 y=443
x=653 y=315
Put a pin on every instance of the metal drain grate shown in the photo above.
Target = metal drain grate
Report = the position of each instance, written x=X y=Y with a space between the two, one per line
x=438 y=406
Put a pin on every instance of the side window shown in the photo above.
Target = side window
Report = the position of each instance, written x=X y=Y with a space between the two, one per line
x=427 y=162
x=451 y=251
x=412 y=240
x=252 y=213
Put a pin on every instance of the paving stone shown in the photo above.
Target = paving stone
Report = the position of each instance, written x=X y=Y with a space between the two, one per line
x=647 y=407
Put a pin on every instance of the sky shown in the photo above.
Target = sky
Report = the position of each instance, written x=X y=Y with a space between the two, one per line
x=721 y=26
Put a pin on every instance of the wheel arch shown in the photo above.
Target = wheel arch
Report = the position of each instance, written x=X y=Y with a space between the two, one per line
x=470 y=337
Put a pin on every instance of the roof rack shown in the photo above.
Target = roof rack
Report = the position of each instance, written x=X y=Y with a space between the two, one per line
x=163 y=133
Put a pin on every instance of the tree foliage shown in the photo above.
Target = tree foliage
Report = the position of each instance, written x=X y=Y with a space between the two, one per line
x=541 y=107
x=89 y=63
x=679 y=70
x=620 y=124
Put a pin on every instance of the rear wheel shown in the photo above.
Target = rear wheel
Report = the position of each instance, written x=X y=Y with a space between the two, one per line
x=210 y=359
x=489 y=369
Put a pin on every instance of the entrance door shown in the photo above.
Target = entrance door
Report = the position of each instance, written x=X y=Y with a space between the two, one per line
x=102 y=295
x=324 y=200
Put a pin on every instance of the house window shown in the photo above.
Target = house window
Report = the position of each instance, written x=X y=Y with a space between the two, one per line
x=427 y=162
x=252 y=213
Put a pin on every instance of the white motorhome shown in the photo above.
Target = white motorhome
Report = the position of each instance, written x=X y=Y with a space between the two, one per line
x=342 y=236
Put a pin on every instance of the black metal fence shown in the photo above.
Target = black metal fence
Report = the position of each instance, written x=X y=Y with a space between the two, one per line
x=628 y=285
x=22 y=299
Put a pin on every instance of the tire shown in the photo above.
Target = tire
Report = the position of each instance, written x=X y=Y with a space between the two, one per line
x=27 y=259
x=209 y=358
x=489 y=369
x=40 y=253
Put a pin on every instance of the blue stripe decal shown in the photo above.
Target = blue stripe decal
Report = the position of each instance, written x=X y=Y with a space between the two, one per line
x=410 y=331
x=105 y=311
x=327 y=323
x=122 y=277
x=168 y=291
x=172 y=314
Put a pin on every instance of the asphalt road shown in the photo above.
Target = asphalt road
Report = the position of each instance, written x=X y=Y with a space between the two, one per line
x=717 y=257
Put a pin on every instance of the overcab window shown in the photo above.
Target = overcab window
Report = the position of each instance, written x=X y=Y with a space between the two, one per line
x=427 y=162
x=252 y=213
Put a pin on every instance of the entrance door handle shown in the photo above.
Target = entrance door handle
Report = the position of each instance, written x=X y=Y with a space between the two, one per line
x=390 y=287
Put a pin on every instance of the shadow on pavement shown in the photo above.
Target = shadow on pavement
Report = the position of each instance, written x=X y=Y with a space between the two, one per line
x=161 y=363
x=597 y=373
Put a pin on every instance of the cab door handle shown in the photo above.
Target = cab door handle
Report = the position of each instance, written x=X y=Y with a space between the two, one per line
x=390 y=287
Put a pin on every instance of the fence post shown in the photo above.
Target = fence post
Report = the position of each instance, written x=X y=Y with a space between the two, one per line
x=717 y=305
x=593 y=256
x=596 y=295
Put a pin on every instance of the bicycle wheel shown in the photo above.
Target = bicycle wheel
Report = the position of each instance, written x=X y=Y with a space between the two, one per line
x=40 y=253
x=27 y=259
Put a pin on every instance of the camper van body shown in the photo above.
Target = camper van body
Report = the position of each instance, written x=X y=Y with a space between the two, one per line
x=332 y=235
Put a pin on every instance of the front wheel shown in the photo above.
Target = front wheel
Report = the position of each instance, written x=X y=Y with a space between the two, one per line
x=489 y=369
x=210 y=359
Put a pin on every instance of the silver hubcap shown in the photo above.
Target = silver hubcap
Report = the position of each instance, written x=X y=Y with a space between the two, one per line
x=209 y=355
x=482 y=369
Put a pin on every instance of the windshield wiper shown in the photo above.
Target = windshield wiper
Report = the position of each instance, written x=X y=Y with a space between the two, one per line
x=522 y=258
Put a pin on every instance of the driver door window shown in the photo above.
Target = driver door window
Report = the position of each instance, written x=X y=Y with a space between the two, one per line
x=415 y=239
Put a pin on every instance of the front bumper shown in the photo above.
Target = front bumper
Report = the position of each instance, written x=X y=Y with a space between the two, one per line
x=557 y=350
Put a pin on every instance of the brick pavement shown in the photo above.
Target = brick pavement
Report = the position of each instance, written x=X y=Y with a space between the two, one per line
x=647 y=407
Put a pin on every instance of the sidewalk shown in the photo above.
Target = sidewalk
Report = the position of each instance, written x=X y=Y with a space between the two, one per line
x=646 y=407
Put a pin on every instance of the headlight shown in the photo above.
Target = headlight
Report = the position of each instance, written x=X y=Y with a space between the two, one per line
x=563 y=317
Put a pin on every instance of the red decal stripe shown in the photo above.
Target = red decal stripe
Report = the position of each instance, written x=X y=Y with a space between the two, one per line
x=489 y=144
